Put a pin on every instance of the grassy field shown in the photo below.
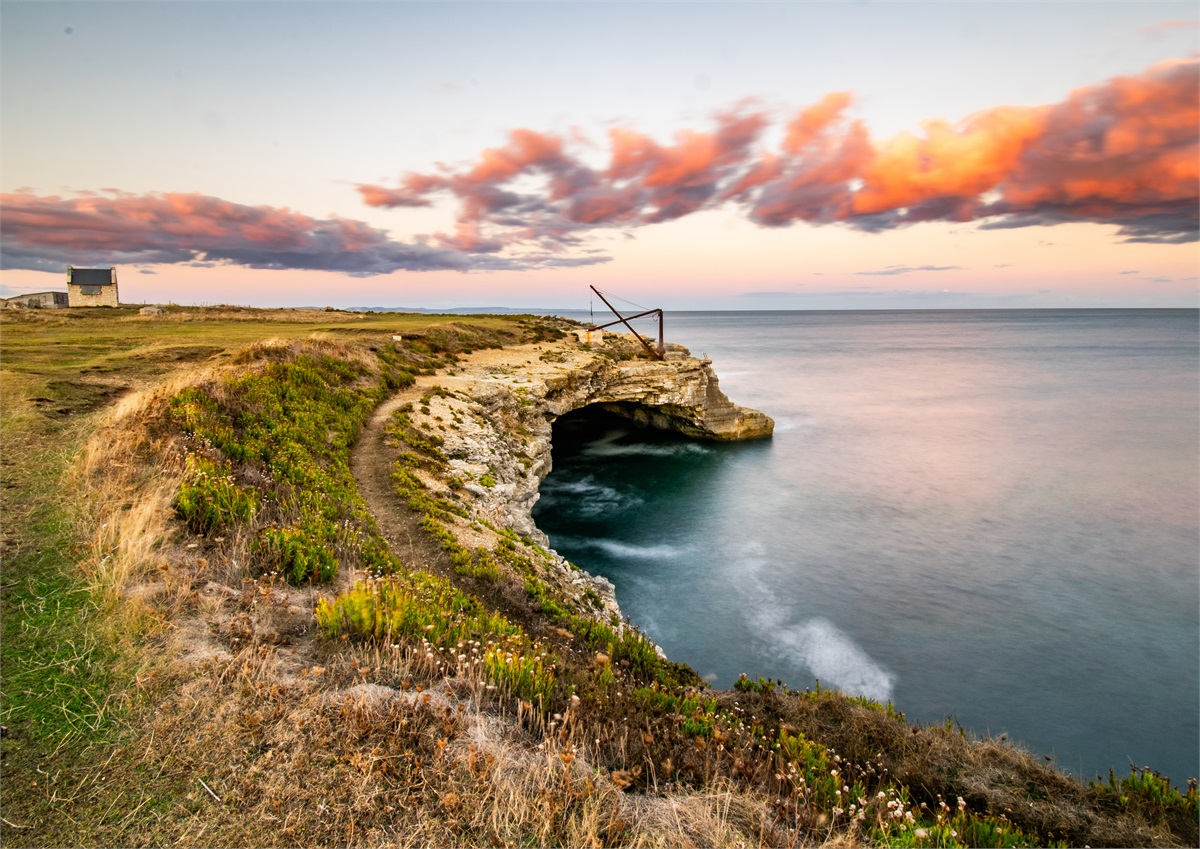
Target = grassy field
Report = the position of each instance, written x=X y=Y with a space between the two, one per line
x=67 y=673
x=189 y=658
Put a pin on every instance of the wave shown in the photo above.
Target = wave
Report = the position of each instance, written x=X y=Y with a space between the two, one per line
x=608 y=448
x=834 y=658
x=615 y=548
x=786 y=425
x=586 y=497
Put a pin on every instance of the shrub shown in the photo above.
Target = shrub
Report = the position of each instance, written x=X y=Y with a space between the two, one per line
x=288 y=425
x=210 y=499
x=297 y=553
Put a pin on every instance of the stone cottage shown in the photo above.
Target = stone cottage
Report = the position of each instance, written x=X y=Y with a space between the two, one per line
x=37 y=300
x=92 y=287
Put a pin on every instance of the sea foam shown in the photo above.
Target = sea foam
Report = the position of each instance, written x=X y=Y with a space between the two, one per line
x=586 y=497
x=609 y=447
x=615 y=548
x=834 y=658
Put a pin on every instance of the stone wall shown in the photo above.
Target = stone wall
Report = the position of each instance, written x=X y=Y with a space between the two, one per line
x=107 y=296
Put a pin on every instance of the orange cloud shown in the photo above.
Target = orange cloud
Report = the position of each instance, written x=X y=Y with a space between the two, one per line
x=526 y=149
x=1122 y=152
x=812 y=122
x=964 y=161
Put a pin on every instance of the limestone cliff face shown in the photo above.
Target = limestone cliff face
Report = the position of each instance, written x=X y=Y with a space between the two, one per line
x=680 y=394
x=495 y=414
x=512 y=397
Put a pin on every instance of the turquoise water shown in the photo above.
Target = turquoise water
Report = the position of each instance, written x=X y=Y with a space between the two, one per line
x=985 y=515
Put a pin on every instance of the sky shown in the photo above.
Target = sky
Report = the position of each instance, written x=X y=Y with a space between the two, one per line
x=717 y=155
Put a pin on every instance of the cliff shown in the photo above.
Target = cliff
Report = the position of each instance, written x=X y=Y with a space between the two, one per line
x=495 y=412
x=504 y=404
x=472 y=693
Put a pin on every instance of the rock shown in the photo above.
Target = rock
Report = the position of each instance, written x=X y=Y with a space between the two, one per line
x=682 y=395
x=589 y=337
x=503 y=405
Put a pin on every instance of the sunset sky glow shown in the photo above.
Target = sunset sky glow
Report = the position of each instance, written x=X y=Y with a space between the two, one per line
x=720 y=155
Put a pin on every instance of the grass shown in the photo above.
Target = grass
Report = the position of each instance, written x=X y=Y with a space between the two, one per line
x=72 y=643
x=208 y=640
x=62 y=665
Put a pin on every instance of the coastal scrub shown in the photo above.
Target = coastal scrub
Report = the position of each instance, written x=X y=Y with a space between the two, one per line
x=487 y=700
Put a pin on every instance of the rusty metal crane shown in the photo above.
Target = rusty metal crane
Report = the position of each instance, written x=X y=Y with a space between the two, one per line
x=659 y=352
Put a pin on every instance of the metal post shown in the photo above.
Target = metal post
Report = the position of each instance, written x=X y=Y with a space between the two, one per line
x=658 y=355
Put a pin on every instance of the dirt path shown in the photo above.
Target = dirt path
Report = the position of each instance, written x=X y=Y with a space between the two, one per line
x=371 y=463
x=372 y=468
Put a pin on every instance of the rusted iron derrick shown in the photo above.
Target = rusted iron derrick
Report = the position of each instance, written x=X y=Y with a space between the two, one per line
x=659 y=352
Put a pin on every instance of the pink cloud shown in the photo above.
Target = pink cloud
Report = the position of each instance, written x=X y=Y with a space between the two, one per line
x=1121 y=152
x=48 y=233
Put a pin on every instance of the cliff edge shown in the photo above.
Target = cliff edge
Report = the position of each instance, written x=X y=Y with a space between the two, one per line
x=494 y=412
x=503 y=404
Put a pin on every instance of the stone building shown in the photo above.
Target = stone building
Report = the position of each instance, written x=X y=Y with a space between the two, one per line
x=37 y=300
x=92 y=287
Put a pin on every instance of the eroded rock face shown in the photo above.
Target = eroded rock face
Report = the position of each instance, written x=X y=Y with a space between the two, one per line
x=503 y=405
x=680 y=394
x=495 y=413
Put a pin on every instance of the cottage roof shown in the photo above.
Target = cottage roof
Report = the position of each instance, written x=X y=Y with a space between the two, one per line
x=91 y=276
x=34 y=295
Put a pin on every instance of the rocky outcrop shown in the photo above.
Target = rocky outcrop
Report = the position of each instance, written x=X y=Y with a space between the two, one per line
x=680 y=393
x=495 y=412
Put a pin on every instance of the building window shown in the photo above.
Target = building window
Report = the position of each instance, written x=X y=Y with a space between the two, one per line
x=91 y=290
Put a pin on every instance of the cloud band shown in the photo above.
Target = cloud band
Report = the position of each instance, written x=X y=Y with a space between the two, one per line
x=1123 y=152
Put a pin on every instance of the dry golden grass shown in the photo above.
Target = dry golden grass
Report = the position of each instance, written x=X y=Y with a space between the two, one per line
x=242 y=727
x=316 y=756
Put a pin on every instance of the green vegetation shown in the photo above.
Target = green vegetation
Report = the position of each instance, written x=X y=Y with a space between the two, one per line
x=60 y=663
x=287 y=431
x=72 y=646
x=485 y=700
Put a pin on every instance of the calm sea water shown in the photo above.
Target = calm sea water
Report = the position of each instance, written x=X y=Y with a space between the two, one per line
x=985 y=515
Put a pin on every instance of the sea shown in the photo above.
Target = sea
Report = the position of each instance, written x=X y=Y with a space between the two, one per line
x=989 y=518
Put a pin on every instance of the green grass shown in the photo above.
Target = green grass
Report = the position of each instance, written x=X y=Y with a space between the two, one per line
x=62 y=672
x=288 y=427
x=265 y=456
x=66 y=677
x=57 y=672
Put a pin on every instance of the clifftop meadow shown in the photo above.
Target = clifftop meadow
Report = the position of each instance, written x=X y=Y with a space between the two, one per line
x=270 y=578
